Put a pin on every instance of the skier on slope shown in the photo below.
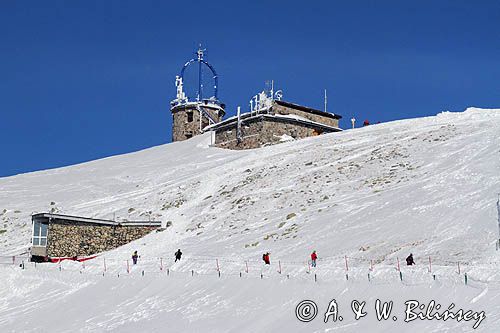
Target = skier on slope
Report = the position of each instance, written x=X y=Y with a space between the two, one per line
x=135 y=256
x=178 y=255
x=314 y=256
x=266 y=258
x=409 y=260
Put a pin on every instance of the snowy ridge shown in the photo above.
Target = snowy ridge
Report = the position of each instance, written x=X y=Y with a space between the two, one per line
x=426 y=186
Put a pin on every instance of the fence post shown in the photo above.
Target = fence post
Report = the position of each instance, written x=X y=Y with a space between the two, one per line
x=128 y=267
x=217 y=262
x=369 y=280
x=458 y=264
x=465 y=275
x=246 y=264
x=168 y=271
x=346 y=269
x=401 y=275
x=315 y=278
x=161 y=264
x=192 y=272
x=279 y=263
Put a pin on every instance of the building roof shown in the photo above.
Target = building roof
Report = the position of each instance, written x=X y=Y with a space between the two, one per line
x=97 y=221
x=249 y=116
x=308 y=109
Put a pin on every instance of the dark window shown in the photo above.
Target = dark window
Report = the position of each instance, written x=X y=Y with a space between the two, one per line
x=190 y=117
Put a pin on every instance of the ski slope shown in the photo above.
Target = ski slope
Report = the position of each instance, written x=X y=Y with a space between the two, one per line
x=367 y=196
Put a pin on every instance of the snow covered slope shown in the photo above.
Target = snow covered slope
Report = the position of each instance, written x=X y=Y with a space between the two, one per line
x=426 y=186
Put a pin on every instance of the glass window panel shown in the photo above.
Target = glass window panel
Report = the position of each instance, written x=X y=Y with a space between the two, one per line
x=36 y=241
x=44 y=230
x=36 y=229
x=43 y=241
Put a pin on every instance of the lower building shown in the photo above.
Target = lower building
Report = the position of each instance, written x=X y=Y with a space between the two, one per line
x=65 y=236
x=281 y=121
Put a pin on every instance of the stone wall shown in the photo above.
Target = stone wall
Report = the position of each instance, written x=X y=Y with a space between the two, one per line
x=69 y=239
x=280 y=109
x=182 y=129
x=251 y=133
x=263 y=131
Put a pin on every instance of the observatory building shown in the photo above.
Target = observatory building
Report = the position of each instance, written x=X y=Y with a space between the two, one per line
x=189 y=118
x=270 y=121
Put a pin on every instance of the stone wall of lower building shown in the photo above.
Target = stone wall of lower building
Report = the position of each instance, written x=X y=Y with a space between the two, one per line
x=280 y=109
x=251 y=133
x=70 y=239
x=261 y=132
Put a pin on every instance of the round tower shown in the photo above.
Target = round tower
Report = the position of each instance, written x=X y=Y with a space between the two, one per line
x=190 y=118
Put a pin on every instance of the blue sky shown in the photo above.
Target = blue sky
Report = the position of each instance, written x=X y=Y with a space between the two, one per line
x=88 y=79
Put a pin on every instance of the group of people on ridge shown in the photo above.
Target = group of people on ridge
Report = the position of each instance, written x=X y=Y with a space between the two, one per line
x=266 y=257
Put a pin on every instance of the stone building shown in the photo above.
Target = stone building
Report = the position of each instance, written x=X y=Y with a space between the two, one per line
x=190 y=115
x=189 y=119
x=63 y=236
x=273 y=121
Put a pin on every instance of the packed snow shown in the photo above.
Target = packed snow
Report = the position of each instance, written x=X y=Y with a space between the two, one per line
x=363 y=199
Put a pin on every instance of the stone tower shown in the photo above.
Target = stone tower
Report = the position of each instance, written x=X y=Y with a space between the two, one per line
x=190 y=118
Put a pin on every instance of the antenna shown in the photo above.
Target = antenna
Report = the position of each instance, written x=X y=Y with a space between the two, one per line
x=326 y=100
x=353 y=120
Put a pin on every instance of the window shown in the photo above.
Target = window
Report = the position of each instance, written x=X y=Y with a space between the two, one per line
x=39 y=234
x=190 y=117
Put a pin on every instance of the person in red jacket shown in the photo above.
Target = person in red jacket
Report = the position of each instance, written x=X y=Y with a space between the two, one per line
x=314 y=256
x=266 y=258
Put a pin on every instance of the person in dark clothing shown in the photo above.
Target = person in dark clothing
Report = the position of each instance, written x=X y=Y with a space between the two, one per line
x=366 y=123
x=135 y=256
x=178 y=255
x=266 y=258
x=409 y=260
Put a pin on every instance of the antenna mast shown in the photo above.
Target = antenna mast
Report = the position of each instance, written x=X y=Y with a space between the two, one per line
x=326 y=100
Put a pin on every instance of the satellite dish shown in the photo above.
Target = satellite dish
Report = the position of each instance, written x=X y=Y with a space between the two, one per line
x=278 y=95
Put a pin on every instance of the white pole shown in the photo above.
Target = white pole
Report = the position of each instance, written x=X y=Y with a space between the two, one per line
x=238 y=129
x=353 y=120
x=325 y=101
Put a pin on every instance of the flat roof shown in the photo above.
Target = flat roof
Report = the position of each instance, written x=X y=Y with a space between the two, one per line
x=308 y=109
x=96 y=221
x=248 y=117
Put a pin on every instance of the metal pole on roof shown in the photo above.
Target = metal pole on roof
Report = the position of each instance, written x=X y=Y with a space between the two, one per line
x=326 y=101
